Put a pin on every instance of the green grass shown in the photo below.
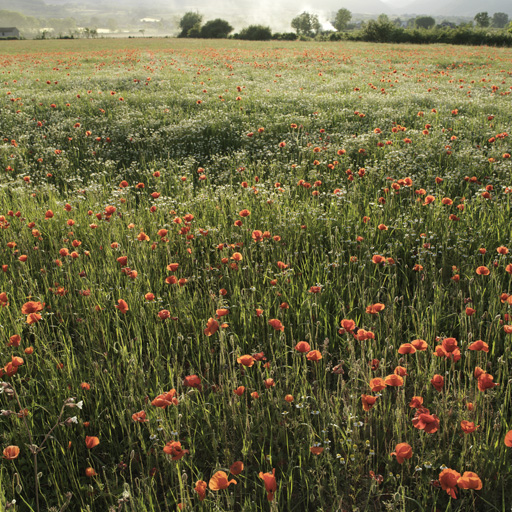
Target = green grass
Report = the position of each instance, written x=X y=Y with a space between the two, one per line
x=73 y=141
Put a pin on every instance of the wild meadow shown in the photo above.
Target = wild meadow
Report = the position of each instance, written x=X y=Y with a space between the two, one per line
x=255 y=276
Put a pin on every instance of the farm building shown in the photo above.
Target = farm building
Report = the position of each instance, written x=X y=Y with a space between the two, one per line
x=9 y=32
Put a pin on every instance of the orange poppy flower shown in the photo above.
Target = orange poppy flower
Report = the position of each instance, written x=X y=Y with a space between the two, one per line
x=377 y=258
x=220 y=481
x=468 y=426
x=200 y=488
x=211 y=327
x=221 y=312
x=192 y=381
x=316 y=450
x=508 y=439
x=348 y=325
x=377 y=384
x=276 y=324
x=172 y=267
x=314 y=355
x=91 y=442
x=164 y=314
x=469 y=480
x=375 y=309
x=419 y=344
x=174 y=449
x=31 y=307
x=423 y=420
x=11 y=452
x=479 y=345
x=237 y=256
x=406 y=348
x=483 y=271
x=32 y=318
x=236 y=468
x=139 y=417
x=289 y=398
x=402 y=451
x=89 y=472
x=269 y=480
x=368 y=401
x=485 y=381
x=437 y=381
x=448 y=479
x=416 y=402
x=165 y=399
x=4 y=301
x=246 y=360
x=394 y=380
x=239 y=391
x=269 y=383
x=122 y=306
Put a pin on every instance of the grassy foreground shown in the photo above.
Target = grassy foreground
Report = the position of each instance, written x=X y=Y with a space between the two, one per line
x=294 y=257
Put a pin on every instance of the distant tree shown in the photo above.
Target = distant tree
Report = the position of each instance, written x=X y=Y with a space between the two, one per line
x=190 y=21
x=215 y=29
x=306 y=24
x=256 y=33
x=397 y=22
x=500 y=20
x=482 y=19
x=381 y=31
x=343 y=17
x=426 y=22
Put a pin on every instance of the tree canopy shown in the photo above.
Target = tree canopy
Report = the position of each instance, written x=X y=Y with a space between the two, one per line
x=482 y=19
x=426 y=22
x=306 y=24
x=189 y=22
x=343 y=17
x=500 y=20
x=215 y=29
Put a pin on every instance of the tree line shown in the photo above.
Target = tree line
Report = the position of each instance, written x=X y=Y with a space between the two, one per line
x=422 y=29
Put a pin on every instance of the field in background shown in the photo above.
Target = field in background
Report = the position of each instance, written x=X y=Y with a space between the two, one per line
x=291 y=255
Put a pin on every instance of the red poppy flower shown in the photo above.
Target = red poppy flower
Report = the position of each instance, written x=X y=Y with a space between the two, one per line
x=375 y=309
x=246 y=360
x=402 y=451
x=438 y=382
x=368 y=401
x=508 y=439
x=211 y=327
x=165 y=399
x=89 y=472
x=236 y=468
x=394 y=380
x=192 y=381
x=348 y=325
x=468 y=426
x=470 y=480
x=314 y=355
x=316 y=450
x=239 y=391
x=406 y=348
x=200 y=488
x=11 y=452
x=91 y=442
x=122 y=306
x=419 y=344
x=448 y=479
x=423 y=420
x=485 y=381
x=164 y=314
x=479 y=345
x=139 y=417
x=377 y=384
x=269 y=480
x=174 y=449
x=31 y=307
x=220 y=481
x=276 y=324
x=416 y=402
x=483 y=271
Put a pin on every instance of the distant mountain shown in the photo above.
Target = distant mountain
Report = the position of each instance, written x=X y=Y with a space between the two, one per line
x=457 y=7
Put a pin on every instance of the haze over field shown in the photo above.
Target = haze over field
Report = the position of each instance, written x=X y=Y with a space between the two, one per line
x=269 y=11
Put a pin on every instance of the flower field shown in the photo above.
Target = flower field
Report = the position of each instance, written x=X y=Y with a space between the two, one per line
x=255 y=276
